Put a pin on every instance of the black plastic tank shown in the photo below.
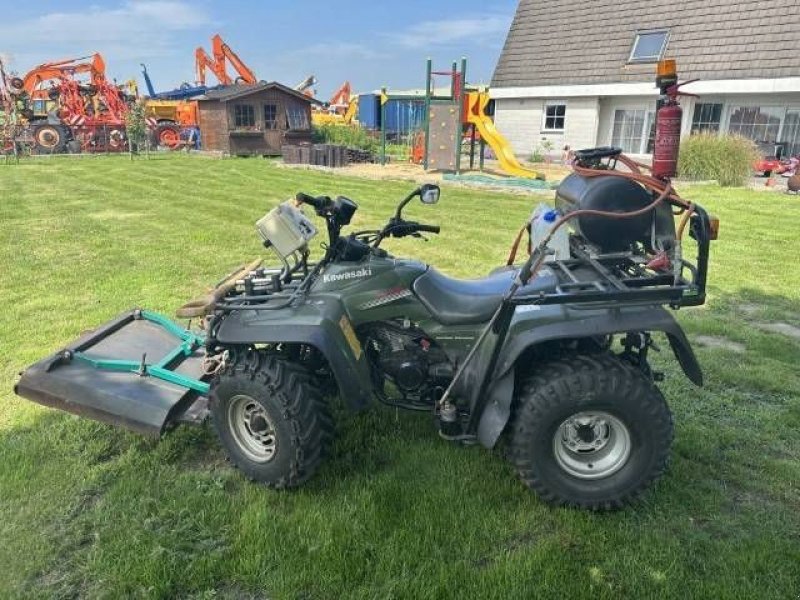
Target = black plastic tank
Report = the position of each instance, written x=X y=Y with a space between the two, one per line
x=610 y=194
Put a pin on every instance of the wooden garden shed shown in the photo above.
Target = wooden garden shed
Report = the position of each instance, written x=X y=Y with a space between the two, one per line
x=254 y=120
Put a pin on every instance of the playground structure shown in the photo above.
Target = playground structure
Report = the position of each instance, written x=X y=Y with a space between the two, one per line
x=455 y=117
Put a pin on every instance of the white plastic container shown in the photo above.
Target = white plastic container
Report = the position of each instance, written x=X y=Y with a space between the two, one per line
x=286 y=228
x=542 y=221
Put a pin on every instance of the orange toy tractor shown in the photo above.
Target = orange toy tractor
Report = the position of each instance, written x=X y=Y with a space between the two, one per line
x=70 y=105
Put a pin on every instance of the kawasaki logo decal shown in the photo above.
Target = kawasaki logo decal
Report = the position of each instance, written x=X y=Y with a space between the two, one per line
x=347 y=275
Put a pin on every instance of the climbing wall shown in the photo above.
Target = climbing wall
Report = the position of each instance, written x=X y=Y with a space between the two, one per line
x=445 y=129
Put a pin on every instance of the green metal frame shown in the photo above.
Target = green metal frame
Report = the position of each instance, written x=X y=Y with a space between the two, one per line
x=190 y=342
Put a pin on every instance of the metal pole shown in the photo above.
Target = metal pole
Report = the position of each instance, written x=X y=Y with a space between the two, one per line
x=472 y=147
x=427 y=112
x=461 y=80
x=383 y=126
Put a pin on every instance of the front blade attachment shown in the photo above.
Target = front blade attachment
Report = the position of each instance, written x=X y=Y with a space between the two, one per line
x=140 y=371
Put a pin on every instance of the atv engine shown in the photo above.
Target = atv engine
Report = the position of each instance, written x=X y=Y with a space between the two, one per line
x=407 y=358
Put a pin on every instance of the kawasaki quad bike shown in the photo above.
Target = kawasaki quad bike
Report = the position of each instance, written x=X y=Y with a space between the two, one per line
x=549 y=355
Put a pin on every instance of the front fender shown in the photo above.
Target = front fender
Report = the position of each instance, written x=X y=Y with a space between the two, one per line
x=321 y=323
x=560 y=322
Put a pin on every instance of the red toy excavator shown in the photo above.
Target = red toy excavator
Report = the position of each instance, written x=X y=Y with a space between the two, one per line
x=222 y=53
x=65 y=106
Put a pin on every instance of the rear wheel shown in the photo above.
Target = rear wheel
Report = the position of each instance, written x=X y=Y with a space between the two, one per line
x=167 y=135
x=591 y=432
x=271 y=418
x=50 y=139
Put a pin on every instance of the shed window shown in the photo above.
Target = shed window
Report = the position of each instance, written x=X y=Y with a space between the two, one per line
x=244 y=116
x=297 y=117
x=706 y=117
x=759 y=123
x=554 y=116
x=649 y=46
x=270 y=116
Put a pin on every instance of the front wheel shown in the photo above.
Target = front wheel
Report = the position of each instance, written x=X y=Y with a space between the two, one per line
x=271 y=419
x=591 y=432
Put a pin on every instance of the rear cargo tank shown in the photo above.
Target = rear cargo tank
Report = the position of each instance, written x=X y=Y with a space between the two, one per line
x=611 y=194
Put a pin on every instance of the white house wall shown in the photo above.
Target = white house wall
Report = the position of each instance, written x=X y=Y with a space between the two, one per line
x=610 y=104
x=520 y=121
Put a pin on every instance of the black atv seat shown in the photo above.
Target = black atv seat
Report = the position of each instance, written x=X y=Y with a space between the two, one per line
x=467 y=301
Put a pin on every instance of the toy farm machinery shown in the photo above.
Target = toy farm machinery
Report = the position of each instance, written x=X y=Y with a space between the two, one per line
x=341 y=109
x=174 y=111
x=71 y=105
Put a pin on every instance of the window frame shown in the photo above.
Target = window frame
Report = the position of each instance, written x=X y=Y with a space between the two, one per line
x=270 y=124
x=702 y=125
x=778 y=110
x=297 y=109
x=553 y=104
x=648 y=127
x=236 y=117
x=632 y=59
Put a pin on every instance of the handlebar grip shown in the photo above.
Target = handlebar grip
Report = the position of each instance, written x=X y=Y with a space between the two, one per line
x=429 y=228
x=319 y=203
x=306 y=199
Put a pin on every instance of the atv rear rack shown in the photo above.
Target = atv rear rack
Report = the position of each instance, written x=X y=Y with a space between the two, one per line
x=619 y=277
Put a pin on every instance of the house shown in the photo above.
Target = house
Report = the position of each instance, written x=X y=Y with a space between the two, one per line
x=583 y=74
x=254 y=119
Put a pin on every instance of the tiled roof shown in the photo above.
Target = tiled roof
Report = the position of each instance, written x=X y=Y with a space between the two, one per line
x=238 y=90
x=557 y=42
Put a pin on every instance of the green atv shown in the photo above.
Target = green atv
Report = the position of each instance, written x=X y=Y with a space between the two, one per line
x=549 y=355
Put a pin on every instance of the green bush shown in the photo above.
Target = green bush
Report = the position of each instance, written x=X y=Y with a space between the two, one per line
x=727 y=158
x=353 y=137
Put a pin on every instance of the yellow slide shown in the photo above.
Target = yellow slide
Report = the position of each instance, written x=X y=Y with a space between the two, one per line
x=476 y=106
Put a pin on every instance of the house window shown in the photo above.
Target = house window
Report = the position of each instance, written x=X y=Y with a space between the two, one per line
x=244 y=116
x=791 y=133
x=553 y=117
x=649 y=46
x=270 y=116
x=634 y=130
x=297 y=117
x=707 y=117
x=759 y=123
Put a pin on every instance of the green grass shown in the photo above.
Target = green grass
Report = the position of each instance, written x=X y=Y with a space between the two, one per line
x=90 y=511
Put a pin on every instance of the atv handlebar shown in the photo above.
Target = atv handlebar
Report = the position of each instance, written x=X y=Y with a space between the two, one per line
x=321 y=204
x=428 y=228
x=400 y=228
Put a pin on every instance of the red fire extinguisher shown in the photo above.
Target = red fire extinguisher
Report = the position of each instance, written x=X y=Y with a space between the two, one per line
x=668 y=122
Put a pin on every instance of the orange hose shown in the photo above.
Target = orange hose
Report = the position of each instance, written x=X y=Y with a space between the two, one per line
x=684 y=220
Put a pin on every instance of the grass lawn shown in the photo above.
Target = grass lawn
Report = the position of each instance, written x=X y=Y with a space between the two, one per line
x=90 y=511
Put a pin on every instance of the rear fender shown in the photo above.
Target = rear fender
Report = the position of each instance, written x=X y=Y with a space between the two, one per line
x=322 y=324
x=593 y=323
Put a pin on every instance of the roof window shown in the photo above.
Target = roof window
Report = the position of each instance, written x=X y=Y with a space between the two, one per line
x=649 y=46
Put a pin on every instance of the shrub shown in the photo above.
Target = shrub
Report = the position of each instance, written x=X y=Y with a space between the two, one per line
x=353 y=137
x=727 y=158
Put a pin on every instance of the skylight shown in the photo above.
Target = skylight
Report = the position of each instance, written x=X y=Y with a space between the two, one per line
x=649 y=46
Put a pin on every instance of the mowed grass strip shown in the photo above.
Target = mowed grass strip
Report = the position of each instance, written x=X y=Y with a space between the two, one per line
x=91 y=511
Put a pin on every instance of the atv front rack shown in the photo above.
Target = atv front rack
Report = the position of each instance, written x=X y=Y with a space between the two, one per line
x=128 y=372
x=621 y=278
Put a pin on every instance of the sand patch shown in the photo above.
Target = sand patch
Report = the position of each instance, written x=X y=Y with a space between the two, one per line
x=786 y=329
x=713 y=341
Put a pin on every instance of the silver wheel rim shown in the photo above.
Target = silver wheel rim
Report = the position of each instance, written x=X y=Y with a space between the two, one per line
x=252 y=429
x=592 y=445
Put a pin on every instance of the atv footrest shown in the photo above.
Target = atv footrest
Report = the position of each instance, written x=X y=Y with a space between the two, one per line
x=128 y=372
